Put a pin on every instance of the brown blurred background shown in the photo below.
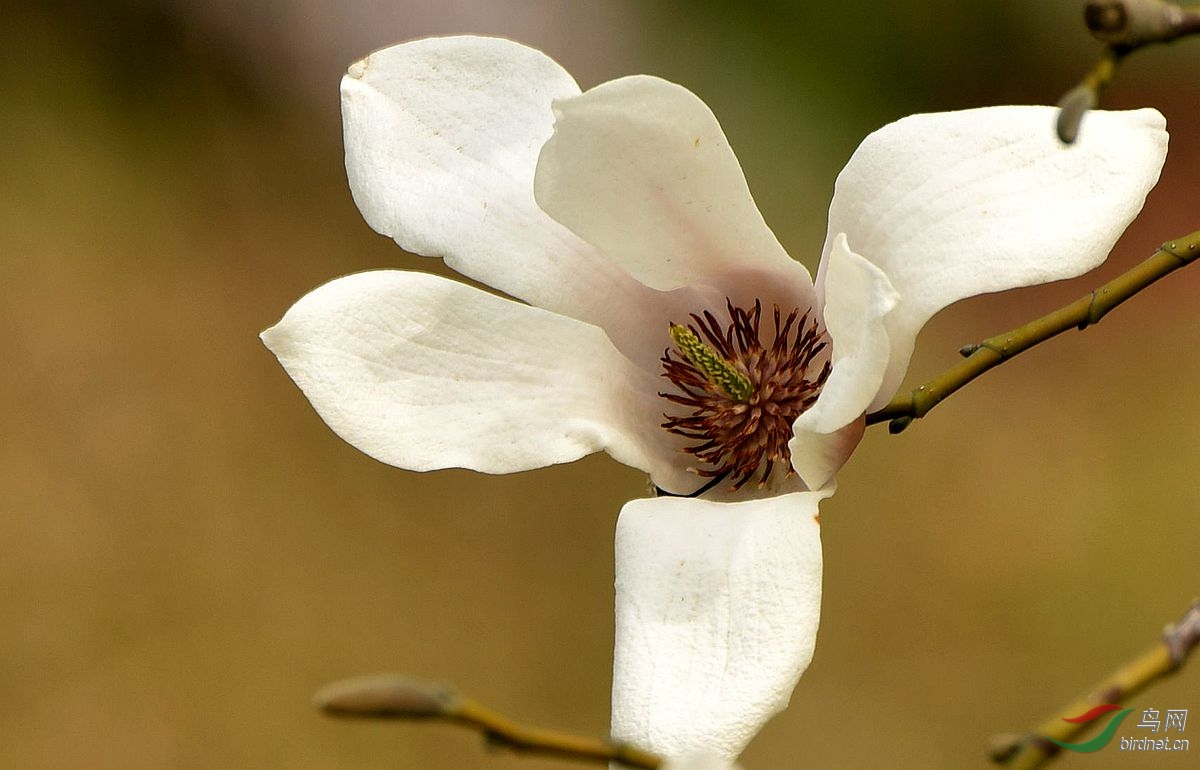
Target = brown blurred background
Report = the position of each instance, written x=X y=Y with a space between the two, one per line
x=186 y=552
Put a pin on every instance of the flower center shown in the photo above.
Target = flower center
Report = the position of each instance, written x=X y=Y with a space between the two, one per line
x=742 y=395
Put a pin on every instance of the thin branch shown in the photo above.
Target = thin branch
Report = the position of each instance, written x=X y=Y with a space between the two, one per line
x=1030 y=751
x=393 y=696
x=1083 y=97
x=994 y=351
x=1123 y=26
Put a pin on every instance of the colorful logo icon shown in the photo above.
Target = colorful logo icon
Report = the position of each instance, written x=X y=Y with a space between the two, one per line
x=1105 y=735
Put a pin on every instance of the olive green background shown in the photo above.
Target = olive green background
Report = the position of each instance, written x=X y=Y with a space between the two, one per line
x=187 y=552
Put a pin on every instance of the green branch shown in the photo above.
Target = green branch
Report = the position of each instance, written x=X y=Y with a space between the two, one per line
x=392 y=696
x=996 y=350
x=1026 y=752
x=1123 y=26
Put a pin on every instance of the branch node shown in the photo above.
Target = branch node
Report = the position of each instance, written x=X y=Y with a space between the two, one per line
x=1183 y=636
x=1185 y=253
x=1094 y=312
x=1001 y=350
x=1046 y=746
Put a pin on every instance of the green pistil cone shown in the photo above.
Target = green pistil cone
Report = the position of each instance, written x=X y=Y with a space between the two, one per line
x=717 y=370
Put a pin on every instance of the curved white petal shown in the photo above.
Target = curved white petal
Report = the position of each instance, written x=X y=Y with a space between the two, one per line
x=858 y=298
x=423 y=372
x=955 y=204
x=817 y=456
x=639 y=168
x=717 y=613
x=442 y=136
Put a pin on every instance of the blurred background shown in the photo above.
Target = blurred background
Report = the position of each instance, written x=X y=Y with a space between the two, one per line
x=187 y=553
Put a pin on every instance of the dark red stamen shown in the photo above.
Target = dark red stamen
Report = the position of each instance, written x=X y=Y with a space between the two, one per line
x=738 y=440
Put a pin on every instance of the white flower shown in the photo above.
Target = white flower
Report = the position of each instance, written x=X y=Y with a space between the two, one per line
x=610 y=215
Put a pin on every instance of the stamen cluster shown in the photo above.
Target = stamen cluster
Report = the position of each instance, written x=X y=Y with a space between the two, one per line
x=742 y=435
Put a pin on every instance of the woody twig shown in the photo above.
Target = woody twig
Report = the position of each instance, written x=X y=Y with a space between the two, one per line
x=1034 y=749
x=393 y=696
x=1123 y=26
x=992 y=352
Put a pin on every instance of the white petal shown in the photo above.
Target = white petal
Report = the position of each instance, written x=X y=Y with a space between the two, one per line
x=442 y=137
x=858 y=297
x=717 y=613
x=422 y=373
x=956 y=204
x=817 y=456
x=639 y=168
x=699 y=762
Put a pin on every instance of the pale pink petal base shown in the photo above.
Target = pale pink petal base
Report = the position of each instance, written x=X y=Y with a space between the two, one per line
x=717 y=608
x=422 y=372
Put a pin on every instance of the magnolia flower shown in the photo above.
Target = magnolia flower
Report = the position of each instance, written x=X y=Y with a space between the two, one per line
x=652 y=314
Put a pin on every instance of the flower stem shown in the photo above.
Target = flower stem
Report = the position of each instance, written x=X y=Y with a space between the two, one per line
x=1080 y=314
x=1025 y=752
x=1083 y=97
x=391 y=696
x=1123 y=26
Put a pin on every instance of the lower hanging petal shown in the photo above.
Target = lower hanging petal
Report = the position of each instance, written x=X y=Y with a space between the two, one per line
x=422 y=372
x=817 y=457
x=717 y=607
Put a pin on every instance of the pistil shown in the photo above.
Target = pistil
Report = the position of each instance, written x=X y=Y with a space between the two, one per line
x=716 y=370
